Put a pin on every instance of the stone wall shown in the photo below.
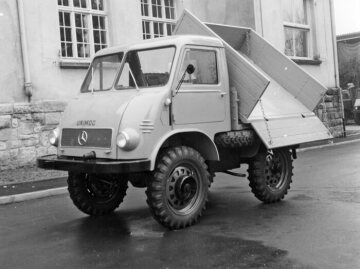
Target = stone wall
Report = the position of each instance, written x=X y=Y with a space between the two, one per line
x=24 y=130
x=330 y=112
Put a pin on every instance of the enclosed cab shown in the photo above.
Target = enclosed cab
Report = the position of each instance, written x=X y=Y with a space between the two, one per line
x=167 y=114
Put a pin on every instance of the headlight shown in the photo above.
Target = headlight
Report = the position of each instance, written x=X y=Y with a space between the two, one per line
x=54 y=137
x=128 y=139
x=357 y=108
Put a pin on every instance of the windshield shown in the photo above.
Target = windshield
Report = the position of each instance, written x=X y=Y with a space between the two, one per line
x=102 y=73
x=149 y=68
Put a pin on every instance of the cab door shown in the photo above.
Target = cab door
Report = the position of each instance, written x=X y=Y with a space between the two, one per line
x=201 y=97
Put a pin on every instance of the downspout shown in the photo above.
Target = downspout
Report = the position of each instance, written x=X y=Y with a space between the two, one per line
x=25 y=56
x=336 y=62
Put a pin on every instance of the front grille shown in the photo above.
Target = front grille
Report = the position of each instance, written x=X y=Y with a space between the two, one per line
x=97 y=138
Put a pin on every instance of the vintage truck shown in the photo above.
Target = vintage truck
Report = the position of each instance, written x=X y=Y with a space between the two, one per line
x=167 y=114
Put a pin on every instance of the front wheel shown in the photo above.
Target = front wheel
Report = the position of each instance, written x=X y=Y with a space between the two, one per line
x=177 y=194
x=96 y=195
x=270 y=175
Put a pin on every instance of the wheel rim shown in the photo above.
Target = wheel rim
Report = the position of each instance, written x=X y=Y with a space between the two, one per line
x=275 y=170
x=182 y=189
x=102 y=190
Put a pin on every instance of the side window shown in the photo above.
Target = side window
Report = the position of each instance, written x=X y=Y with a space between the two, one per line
x=205 y=65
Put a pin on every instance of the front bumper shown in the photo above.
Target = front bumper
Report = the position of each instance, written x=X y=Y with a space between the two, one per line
x=93 y=166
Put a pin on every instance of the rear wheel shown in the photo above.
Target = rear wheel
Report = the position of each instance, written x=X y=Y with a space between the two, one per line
x=270 y=175
x=96 y=195
x=177 y=195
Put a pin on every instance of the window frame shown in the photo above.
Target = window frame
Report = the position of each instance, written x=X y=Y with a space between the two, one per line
x=89 y=71
x=149 y=18
x=76 y=61
x=145 y=49
x=189 y=87
x=307 y=27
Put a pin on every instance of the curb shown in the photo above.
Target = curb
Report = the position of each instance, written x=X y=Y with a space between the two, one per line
x=331 y=144
x=16 y=198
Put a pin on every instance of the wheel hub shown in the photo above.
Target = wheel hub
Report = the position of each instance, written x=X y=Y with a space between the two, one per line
x=182 y=188
x=275 y=177
x=102 y=189
x=185 y=188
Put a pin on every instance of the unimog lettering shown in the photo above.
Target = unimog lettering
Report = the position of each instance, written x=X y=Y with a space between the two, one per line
x=174 y=111
x=86 y=123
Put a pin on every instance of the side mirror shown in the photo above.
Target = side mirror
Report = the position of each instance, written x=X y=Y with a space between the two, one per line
x=190 y=69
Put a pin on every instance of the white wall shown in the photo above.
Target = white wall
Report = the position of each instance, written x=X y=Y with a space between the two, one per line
x=270 y=25
x=50 y=82
x=11 y=72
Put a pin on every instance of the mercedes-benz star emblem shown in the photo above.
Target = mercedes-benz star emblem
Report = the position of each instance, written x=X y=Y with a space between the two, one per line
x=82 y=138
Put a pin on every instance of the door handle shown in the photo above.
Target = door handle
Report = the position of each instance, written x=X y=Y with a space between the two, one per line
x=223 y=94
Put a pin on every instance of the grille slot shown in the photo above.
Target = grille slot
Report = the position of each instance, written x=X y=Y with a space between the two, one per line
x=95 y=138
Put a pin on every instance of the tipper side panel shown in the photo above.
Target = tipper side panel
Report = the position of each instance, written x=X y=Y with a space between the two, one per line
x=242 y=74
x=283 y=116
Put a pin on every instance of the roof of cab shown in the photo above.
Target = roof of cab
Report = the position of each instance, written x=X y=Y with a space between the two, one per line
x=177 y=40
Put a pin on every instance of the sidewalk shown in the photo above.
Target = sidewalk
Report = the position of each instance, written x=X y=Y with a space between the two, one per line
x=55 y=185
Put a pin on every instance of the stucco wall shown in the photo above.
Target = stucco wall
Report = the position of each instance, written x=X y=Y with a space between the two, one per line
x=270 y=22
x=50 y=82
x=230 y=12
x=11 y=73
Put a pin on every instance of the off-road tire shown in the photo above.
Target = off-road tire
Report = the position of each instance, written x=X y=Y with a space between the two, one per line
x=96 y=195
x=235 y=139
x=177 y=194
x=270 y=175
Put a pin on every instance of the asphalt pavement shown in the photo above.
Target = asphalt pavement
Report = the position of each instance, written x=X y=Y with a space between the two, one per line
x=316 y=226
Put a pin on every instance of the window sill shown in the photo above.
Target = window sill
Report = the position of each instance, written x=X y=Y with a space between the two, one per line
x=307 y=61
x=74 y=65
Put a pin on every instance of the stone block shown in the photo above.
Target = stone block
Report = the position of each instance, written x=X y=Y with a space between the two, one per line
x=44 y=138
x=23 y=117
x=52 y=150
x=48 y=127
x=48 y=106
x=328 y=98
x=27 y=156
x=30 y=142
x=22 y=108
x=332 y=91
x=37 y=127
x=52 y=118
x=13 y=144
x=8 y=134
x=26 y=128
x=6 y=109
x=3 y=146
x=5 y=121
x=41 y=151
x=5 y=158
x=29 y=136
x=15 y=123
x=39 y=117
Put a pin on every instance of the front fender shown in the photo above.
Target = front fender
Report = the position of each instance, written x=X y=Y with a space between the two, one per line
x=194 y=138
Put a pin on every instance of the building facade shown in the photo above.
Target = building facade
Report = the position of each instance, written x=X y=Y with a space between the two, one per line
x=48 y=45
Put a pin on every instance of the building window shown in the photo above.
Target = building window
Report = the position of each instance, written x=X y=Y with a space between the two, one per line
x=297 y=28
x=158 y=18
x=83 y=28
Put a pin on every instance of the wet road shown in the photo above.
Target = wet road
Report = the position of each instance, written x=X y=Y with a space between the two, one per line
x=316 y=226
